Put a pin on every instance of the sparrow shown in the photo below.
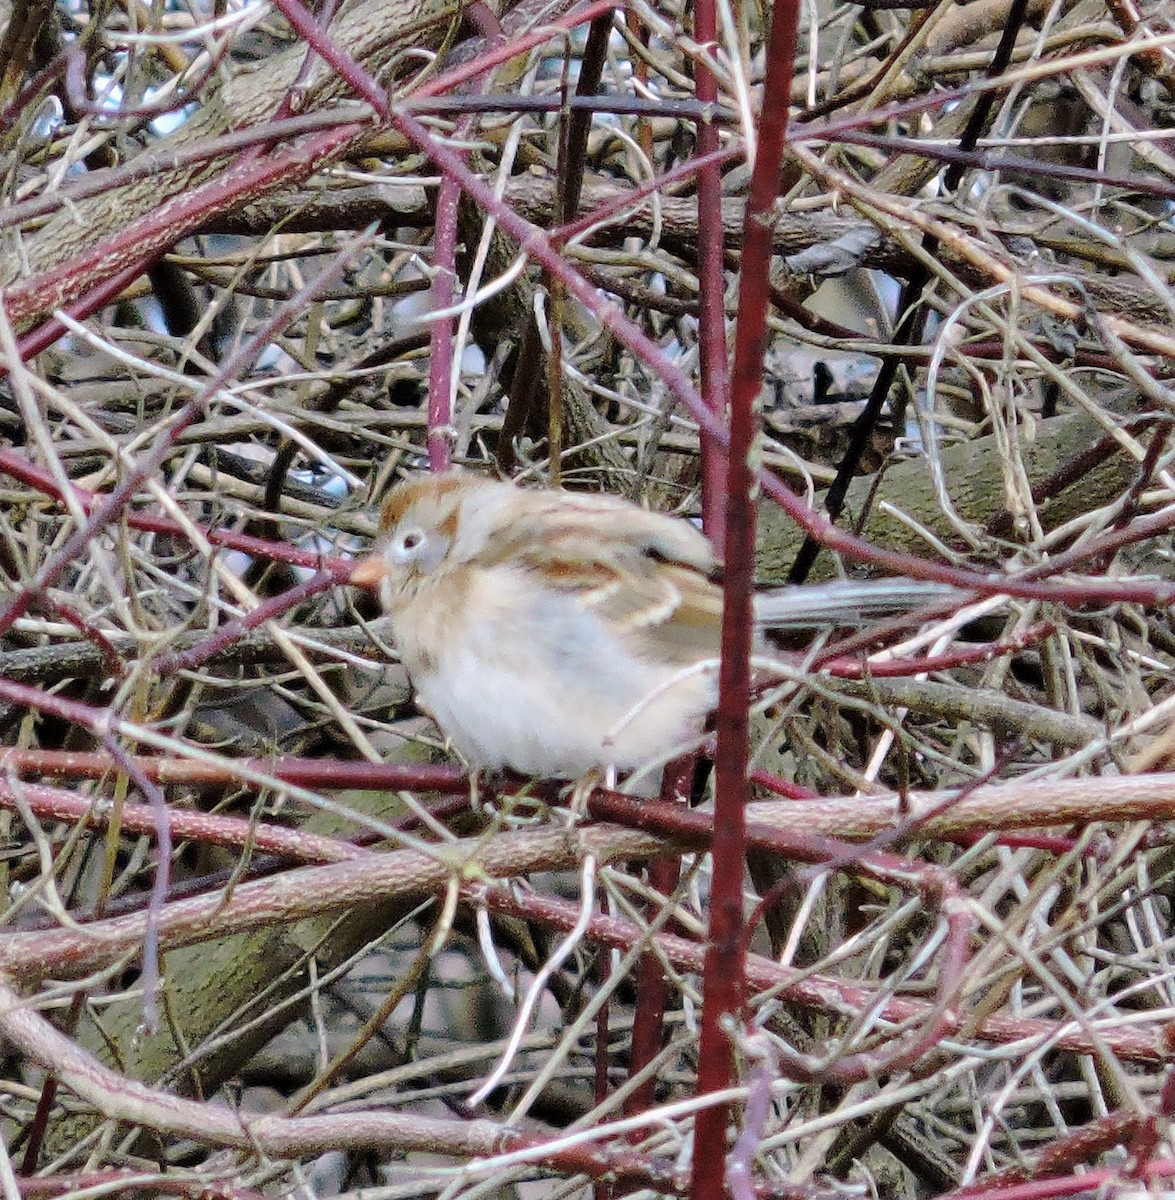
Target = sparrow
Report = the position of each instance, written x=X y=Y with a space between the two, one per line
x=561 y=633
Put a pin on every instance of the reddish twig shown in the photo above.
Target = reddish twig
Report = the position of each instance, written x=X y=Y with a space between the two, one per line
x=326 y=773
x=726 y=945
x=711 y=283
x=19 y=467
x=137 y=246
x=112 y=505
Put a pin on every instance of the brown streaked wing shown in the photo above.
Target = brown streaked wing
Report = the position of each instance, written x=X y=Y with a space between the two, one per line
x=645 y=573
x=694 y=631
x=670 y=612
x=604 y=529
x=627 y=590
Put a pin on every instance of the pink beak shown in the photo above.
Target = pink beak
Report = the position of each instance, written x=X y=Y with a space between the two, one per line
x=369 y=571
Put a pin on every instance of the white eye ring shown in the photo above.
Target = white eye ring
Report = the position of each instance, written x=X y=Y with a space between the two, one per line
x=408 y=545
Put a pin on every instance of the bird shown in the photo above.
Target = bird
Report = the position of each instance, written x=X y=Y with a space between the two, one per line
x=557 y=633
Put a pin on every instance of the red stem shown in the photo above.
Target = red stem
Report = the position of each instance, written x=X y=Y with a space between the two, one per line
x=137 y=246
x=538 y=246
x=112 y=505
x=321 y=773
x=711 y=284
x=19 y=467
x=725 y=967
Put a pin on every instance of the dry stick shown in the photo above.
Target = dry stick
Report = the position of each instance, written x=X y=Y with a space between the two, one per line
x=443 y=290
x=403 y=874
x=406 y=874
x=51 y=664
x=208 y=829
x=123 y=1099
x=822 y=992
x=109 y=510
x=941 y=814
x=535 y=243
x=911 y=307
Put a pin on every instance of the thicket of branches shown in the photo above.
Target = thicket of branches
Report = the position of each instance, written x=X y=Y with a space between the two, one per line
x=264 y=936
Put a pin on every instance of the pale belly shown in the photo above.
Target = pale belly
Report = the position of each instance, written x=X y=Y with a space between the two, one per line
x=549 y=691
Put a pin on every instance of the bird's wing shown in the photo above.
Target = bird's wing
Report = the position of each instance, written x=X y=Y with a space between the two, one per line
x=645 y=574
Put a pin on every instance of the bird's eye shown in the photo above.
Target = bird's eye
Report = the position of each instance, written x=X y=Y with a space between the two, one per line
x=408 y=545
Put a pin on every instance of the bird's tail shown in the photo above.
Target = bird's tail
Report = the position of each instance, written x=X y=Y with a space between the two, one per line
x=848 y=601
